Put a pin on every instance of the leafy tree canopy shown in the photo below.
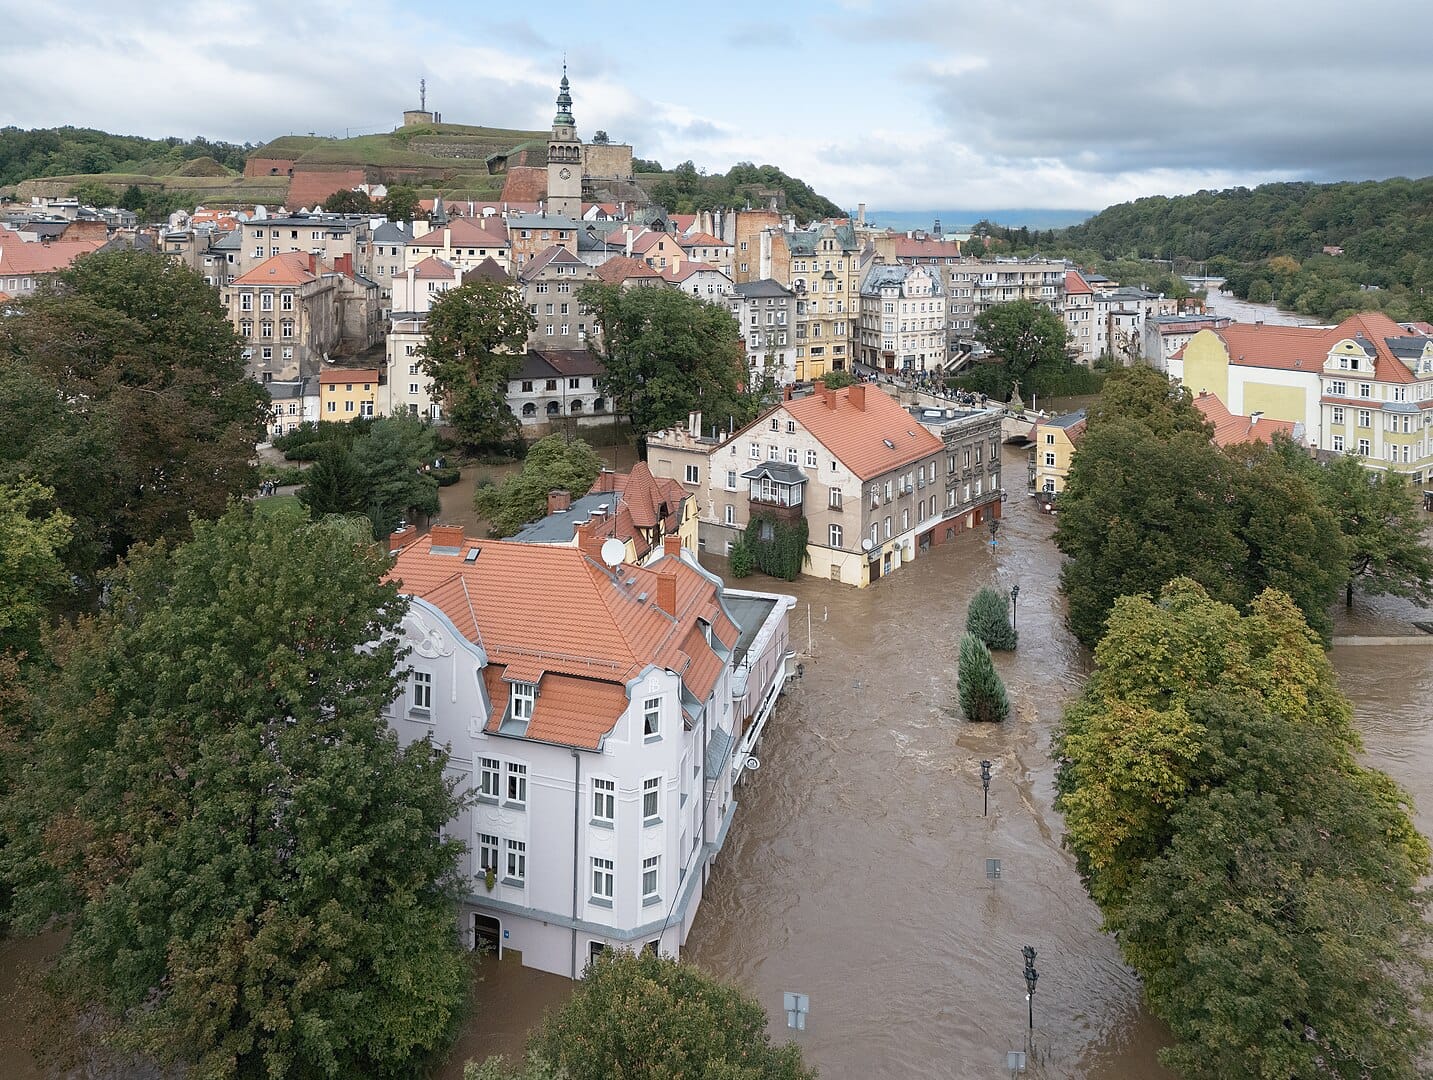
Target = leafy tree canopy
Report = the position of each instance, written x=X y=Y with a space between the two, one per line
x=837 y=378
x=552 y=464
x=668 y=354
x=400 y=204
x=686 y=190
x=348 y=201
x=1024 y=335
x=129 y=400
x=68 y=151
x=32 y=535
x=476 y=334
x=249 y=862
x=1263 y=884
x=645 y=1017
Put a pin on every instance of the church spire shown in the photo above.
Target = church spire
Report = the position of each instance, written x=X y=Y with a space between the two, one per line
x=564 y=103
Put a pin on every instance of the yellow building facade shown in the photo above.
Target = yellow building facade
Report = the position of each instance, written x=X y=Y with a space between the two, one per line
x=1053 y=453
x=346 y=394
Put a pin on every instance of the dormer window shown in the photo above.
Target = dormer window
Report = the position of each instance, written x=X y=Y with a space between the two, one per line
x=524 y=697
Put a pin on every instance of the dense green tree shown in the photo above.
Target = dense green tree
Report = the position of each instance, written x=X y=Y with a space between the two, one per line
x=978 y=685
x=476 y=334
x=392 y=454
x=131 y=398
x=552 y=464
x=645 y=1017
x=988 y=618
x=249 y=863
x=32 y=535
x=1024 y=335
x=1141 y=393
x=67 y=151
x=1382 y=525
x=93 y=193
x=348 y=201
x=1264 y=885
x=836 y=379
x=335 y=483
x=400 y=204
x=132 y=199
x=668 y=354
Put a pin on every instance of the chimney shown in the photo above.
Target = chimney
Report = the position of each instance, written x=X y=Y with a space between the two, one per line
x=1254 y=418
x=860 y=213
x=672 y=546
x=786 y=393
x=587 y=540
x=667 y=591
x=312 y=263
x=558 y=501
x=446 y=536
x=344 y=264
x=447 y=238
x=857 y=394
x=397 y=541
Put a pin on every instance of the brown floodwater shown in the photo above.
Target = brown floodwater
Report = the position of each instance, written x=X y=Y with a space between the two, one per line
x=855 y=871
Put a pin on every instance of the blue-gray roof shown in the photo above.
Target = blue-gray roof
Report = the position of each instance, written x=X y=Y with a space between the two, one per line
x=779 y=471
x=560 y=528
x=764 y=287
x=718 y=751
x=1065 y=421
x=391 y=233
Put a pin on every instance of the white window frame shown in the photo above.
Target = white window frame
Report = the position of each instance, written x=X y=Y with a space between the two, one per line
x=490 y=778
x=524 y=700
x=693 y=474
x=604 y=801
x=651 y=800
x=516 y=863
x=652 y=718
x=651 y=880
x=515 y=793
x=488 y=852
x=422 y=691
x=604 y=880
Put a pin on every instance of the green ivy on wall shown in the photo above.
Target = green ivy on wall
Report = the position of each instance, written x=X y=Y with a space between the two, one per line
x=773 y=547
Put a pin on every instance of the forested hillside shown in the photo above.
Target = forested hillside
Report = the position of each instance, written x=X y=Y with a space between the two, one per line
x=1269 y=242
x=67 y=151
x=685 y=190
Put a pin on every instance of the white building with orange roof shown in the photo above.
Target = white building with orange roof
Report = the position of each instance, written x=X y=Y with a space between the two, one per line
x=1079 y=313
x=462 y=242
x=875 y=487
x=701 y=247
x=597 y=716
x=24 y=265
x=700 y=280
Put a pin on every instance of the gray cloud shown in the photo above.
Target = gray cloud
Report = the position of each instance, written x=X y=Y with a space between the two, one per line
x=1310 y=89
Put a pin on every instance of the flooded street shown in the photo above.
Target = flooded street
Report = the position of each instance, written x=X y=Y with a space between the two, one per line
x=855 y=870
x=1244 y=311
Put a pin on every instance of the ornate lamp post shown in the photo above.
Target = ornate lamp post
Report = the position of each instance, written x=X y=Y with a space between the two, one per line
x=1031 y=976
x=985 y=783
x=1014 y=599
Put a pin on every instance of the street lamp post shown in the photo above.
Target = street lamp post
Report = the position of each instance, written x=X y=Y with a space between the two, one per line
x=994 y=526
x=1031 y=976
x=1014 y=600
x=985 y=783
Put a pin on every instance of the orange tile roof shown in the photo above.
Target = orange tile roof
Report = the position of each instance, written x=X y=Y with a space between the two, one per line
x=32 y=257
x=689 y=268
x=683 y=222
x=554 y=613
x=857 y=434
x=1305 y=348
x=1074 y=283
x=908 y=247
x=1231 y=428
x=701 y=239
x=290 y=268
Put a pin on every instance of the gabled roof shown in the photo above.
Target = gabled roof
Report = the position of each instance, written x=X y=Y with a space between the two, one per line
x=1306 y=348
x=909 y=247
x=644 y=495
x=556 y=255
x=1076 y=284
x=433 y=267
x=290 y=268
x=348 y=375
x=551 y=363
x=556 y=616
x=1231 y=428
x=466 y=232
x=701 y=239
x=21 y=257
x=863 y=428
x=487 y=270
x=620 y=268
x=688 y=268
x=391 y=233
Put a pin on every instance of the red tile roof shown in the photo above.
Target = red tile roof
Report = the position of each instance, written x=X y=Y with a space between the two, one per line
x=1074 y=283
x=689 y=268
x=910 y=248
x=620 y=268
x=433 y=267
x=466 y=232
x=20 y=257
x=554 y=614
x=1231 y=428
x=701 y=239
x=290 y=268
x=348 y=375
x=644 y=495
x=856 y=422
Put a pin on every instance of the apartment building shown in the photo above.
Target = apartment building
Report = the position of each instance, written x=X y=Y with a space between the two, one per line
x=598 y=717
x=328 y=237
x=765 y=313
x=869 y=480
x=464 y=243
x=1078 y=310
x=346 y=394
x=1001 y=282
x=822 y=266
x=532 y=234
x=550 y=282
x=1052 y=453
x=903 y=318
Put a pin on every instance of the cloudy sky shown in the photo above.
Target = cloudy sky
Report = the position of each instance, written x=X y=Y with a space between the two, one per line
x=898 y=103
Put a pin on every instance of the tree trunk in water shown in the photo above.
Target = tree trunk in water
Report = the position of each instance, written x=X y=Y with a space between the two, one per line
x=1348 y=594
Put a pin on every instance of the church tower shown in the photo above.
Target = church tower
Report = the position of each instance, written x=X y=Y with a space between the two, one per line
x=564 y=159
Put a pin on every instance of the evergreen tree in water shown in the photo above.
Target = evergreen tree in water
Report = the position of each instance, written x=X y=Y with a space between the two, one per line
x=982 y=694
x=989 y=619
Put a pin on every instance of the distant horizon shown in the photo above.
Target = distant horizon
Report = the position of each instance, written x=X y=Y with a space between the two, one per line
x=960 y=218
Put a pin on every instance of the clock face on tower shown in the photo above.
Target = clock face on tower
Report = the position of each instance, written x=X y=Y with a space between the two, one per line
x=566 y=174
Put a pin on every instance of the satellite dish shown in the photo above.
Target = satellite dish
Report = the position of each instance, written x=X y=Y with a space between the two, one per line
x=866 y=544
x=613 y=551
